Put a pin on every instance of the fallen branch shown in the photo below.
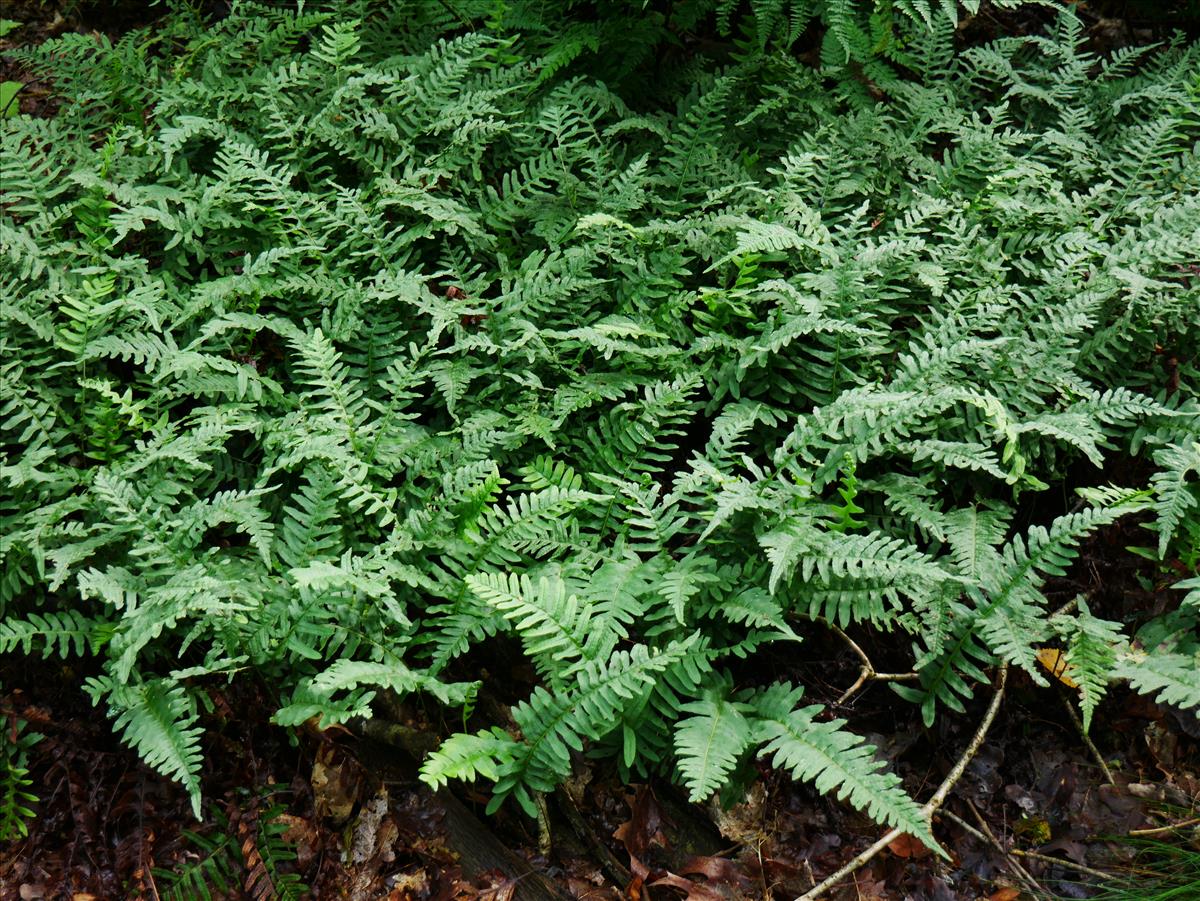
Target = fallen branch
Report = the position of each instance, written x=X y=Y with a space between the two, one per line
x=1161 y=830
x=939 y=797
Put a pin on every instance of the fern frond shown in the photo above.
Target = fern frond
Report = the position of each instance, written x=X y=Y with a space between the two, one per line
x=158 y=719
x=709 y=742
x=834 y=760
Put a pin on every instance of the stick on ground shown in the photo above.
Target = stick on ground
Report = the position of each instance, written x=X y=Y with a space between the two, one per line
x=939 y=797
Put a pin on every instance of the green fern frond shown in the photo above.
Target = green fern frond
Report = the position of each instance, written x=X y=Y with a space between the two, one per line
x=64 y=633
x=1092 y=648
x=834 y=760
x=709 y=742
x=1171 y=676
x=158 y=719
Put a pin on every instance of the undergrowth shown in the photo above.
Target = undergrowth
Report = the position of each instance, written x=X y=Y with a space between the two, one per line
x=1162 y=871
x=338 y=343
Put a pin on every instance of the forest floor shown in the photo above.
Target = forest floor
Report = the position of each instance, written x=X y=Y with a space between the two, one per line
x=1039 y=805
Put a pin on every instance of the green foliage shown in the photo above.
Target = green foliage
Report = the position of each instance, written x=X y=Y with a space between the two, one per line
x=250 y=852
x=339 y=343
x=15 y=796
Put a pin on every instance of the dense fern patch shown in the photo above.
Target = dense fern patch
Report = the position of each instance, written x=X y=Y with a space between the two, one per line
x=337 y=344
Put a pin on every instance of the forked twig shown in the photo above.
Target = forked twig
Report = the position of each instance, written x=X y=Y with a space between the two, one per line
x=939 y=797
x=990 y=838
x=1030 y=855
x=867 y=672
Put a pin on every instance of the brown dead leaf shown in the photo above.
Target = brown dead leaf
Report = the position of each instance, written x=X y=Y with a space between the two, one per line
x=714 y=869
x=905 y=845
x=366 y=829
x=407 y=886
x=1008 y=893
x=722 y=871
x=644 y=826
x=336 y=783
x=502 y=892
x=302 y=835
x=869 y=888
x=695 y=891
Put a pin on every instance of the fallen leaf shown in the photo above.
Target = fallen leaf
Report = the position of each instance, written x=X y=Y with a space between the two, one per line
x=714 y=869
x=644 y=826
x=335 y=784
x=1055 y=661
x=406 y=886
x=905 y=845
x=695 y=891
x=366 y=829
x=1034 y=830
x=1008 y=893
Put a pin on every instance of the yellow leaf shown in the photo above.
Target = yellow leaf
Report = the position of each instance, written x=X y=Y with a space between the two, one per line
x=1056 y=662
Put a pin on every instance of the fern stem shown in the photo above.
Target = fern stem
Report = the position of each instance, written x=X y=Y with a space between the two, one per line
x=1091 y=746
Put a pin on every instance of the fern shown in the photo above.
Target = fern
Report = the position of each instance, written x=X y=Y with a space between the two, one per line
x=1169 y=676
x=158 y=719
x=835 y=761
x=1092 y=649
x=709 y=742
x=339 y=343
x=254 y=855
x=15 y=797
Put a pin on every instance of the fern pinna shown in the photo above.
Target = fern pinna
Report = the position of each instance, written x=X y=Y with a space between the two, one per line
x=362 y=338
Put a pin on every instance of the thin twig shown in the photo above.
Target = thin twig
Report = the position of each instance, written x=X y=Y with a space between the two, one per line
x=1069 y=864
x=153 y=888
x=1017 y=870
x=1159 y=830
x=867 y=672
x=1032 y=855
x=939 y=797
x=1095 y=752
x=1022 y=874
